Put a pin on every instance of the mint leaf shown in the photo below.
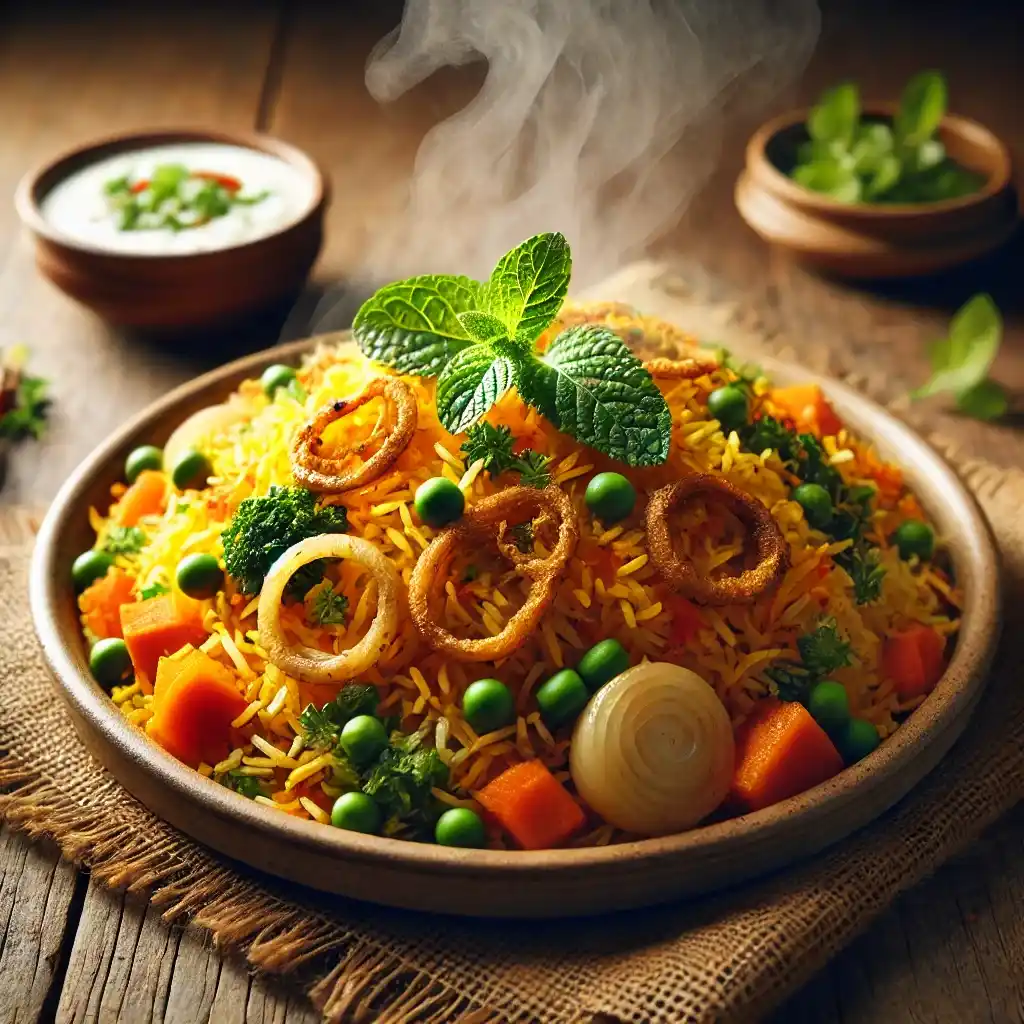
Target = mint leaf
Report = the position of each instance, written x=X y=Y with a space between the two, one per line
x=482 y=326
x=987 y=400
x=836 y=115
x=528 y=286
x=831 y=179
x=470 y=384
x=922 y=107
x=591 y=386
x=413 y=326
x=961 y=361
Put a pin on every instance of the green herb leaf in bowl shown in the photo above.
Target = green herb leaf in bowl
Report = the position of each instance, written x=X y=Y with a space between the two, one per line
x=830 y=179
x=922 y=107
x=836 y=115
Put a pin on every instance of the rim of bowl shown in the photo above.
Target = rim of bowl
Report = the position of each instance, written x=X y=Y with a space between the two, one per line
x=962 y=681
x=998 y=180
x=27 y=195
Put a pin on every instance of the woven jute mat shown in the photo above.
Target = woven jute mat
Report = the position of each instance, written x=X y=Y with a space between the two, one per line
x=729 y=957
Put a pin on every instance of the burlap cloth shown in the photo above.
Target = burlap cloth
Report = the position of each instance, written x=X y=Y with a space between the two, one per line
x=730 y=957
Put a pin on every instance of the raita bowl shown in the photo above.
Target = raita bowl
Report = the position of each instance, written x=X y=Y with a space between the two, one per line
x=177 y=290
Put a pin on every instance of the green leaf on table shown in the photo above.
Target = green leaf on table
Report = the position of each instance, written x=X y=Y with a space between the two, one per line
x=413 y=326
x=830 y=179
x=961 y=360
x=470 y=384
x=528 y=286
x=483 y=326
x=836 y=115
x=987 y=400
x=591 y=386
x=922 y=107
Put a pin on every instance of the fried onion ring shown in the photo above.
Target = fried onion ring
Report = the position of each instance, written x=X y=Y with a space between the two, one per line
x=687 y=368
x=331 y=474
x=482 y=520
x=769 y=544
x=307 y=663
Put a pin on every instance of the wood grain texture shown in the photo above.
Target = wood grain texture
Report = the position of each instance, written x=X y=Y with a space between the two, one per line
x=37 y=906
x=127 y=964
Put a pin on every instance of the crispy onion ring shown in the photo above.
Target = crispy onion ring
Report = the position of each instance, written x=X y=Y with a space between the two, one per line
x=307 y=663
x=769 y=544
x=687 y=368
x=487 y=516
x=330 y=474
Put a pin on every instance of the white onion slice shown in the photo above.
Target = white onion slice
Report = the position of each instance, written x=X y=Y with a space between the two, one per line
x=307 y=663
x=653 y=751
x=202 y=425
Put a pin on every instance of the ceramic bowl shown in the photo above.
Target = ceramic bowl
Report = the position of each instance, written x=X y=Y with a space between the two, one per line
x=863 y=240
x=176 y=291
x=514 y=884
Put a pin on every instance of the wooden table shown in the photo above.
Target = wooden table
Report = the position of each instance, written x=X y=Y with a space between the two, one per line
x=69 y=949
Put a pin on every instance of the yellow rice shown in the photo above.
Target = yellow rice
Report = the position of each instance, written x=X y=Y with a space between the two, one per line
x=609 y=590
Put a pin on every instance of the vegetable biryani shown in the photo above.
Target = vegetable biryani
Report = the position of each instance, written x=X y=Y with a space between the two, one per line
x=516 y=573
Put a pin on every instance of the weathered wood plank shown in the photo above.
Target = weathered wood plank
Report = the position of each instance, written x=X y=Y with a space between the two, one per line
x=128 y=964
x=37 y=915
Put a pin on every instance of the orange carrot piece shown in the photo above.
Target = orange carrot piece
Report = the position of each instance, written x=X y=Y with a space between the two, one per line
x=146 y=497
x=913 y=660
x=532 y=806
x=100 y=603
x=194 y=703
x=808 y=407
x=781 y=751
x=157 y=627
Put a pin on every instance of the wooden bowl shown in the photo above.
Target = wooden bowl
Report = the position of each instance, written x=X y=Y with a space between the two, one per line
x=513 y=884
x=876 y=240
x=176 y=291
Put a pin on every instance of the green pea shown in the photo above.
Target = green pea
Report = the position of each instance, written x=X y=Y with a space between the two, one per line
x=610 y=497
x=816 y=503
x=488 y=705
x=602 y=663
x=439 y=502
x=562 y=697
x=914 y=538
x=199 y=576
x=274 y=377
x=357 y=812
x=460 y=826
x=856 y=740
x=89 y=567
x=829 y=705
x=146 y=457
x=191 y=470
x=363 y=738
x=109 y=661
x=729 y=406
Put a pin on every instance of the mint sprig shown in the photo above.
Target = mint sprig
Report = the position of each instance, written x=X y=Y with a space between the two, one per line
x=479 y=340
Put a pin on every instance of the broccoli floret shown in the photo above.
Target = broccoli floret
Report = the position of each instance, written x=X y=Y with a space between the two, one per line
x=264 y=527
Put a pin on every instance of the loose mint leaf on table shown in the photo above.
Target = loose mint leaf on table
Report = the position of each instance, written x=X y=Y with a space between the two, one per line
x=413 y=326
x=922 y=107
x=471 y=383
x=961 y=361
x=591 y=386
x=528 y=286
x=836 y=115
x=987 y=400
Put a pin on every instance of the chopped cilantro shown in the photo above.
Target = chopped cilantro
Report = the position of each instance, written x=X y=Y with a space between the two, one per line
x=821 y=653
x=534 y=469
x=328 y=608
x=154 y=590
x=321 y=726
x=124 y=540
x=245 y=785
x=492 y=444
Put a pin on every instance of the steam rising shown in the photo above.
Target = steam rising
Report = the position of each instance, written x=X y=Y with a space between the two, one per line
x=582 y=103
